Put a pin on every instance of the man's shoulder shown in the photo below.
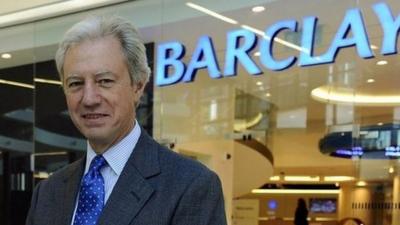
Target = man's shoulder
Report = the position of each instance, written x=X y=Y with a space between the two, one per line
x=170 y=162
x=180 y=165
x=66 y=171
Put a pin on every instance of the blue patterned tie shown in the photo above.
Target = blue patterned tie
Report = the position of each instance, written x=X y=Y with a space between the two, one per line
x=91 y=195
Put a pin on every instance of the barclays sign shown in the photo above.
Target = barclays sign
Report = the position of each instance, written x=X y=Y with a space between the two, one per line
x=241 y=42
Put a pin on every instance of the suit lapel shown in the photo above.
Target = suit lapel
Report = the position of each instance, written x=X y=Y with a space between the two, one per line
x=132 y=190
x=68 y=191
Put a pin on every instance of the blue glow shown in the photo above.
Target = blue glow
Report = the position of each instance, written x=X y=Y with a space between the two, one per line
x=169 y=54
x=203 y=57
x=307 y=42
x=354 y=151
x=234 y=53
x=352 y=22
x=392 y=151
x=272 y=204
x=390 y=28
x=266 y=45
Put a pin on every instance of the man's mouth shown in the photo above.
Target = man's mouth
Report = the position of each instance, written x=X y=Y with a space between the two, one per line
x=92 y=116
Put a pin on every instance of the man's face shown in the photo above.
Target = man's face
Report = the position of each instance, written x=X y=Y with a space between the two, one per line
x=100 y=95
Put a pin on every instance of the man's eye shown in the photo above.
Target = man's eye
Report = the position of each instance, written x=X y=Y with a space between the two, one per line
x=75 y=84
x=106 y=82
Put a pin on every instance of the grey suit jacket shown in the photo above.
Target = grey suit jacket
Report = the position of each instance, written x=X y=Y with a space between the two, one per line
x=156 y=187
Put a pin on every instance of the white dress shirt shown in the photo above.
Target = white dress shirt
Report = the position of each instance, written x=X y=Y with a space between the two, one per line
x=116 y=157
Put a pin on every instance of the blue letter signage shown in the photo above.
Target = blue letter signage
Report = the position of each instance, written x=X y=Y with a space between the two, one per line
x=239 y=43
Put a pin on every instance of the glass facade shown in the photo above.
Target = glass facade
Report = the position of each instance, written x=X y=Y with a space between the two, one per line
x=276 y=119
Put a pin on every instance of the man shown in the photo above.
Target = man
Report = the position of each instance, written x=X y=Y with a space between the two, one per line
x=126 y=177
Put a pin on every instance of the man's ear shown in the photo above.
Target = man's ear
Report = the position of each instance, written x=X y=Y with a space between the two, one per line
x=139 y=88
x=138 y=91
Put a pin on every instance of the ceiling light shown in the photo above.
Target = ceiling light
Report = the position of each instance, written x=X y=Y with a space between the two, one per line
x=338 y=178
x=370 y=81
x=252 y=29
x=382 y=62
x=391 y=169
x=41 y=175
x=6 y=56
x=342 y=95
x=50 y=154
x=257 y=54
x=47 y=81
x=241 y=125
x=295 y=191
x=268 y=95
x=258 y=9
x=276 y=39
x=211 y=13
x=59 y=8
x=259 y=83
x=256 y=31
x=274 y=178
x=361 y=183
x=379 y=124
x=301 y=178
x=374 y=47
x=18 y=84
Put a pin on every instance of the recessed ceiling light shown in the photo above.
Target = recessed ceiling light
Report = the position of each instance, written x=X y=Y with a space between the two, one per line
x=380 y=124
x=338 y=178
x=18 y=84
x=381 y=63
x=301 y=178
x=259 y=83
x=344 y=95
x=361 y=183
x=258 y=9
x=374 y=47
x=211 y=13
x=274 y=178
x=257 y=54
x=370 y=81
x=6 y=56
x=391 y=169
x=268 y=94
x=43 y=11
x=296 y=191
x=46 y=81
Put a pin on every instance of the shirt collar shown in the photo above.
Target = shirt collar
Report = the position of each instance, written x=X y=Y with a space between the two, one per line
x=118 y=154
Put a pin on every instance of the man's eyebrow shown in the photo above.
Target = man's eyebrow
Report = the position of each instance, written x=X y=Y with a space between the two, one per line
x=100 y=73
x=71 y=76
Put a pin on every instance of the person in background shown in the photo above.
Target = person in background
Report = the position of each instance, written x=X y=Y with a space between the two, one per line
x=126 y=177
x=301 y=214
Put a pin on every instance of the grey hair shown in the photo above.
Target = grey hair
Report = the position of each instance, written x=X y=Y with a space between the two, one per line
x=95 y=27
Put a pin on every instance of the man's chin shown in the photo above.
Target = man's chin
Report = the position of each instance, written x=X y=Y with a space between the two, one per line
x=95 y=137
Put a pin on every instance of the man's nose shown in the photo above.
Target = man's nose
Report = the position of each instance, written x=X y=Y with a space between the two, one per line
x=91 y=95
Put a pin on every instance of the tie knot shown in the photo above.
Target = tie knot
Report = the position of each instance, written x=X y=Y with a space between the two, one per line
x=97 y=163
